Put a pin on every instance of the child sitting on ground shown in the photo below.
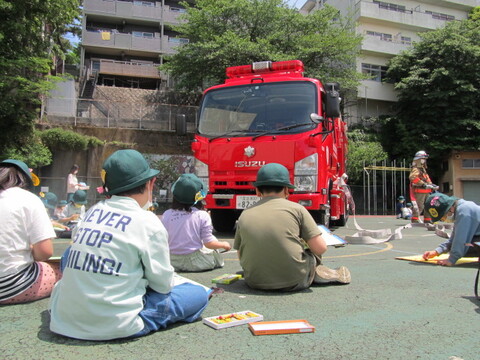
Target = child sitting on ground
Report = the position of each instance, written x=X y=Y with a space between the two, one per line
x=193 y=247
x=76 y=208
x=125 y=286
x=400 y=206
x=407 y=212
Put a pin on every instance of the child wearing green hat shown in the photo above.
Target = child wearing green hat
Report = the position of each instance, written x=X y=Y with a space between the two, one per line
x=279 y=244
x=75 y=209
x=50 y=200
x=25 y=238
x=192 y=245
x=118 y=281
x=466 y=229
x=400 y=206
x=58 y=213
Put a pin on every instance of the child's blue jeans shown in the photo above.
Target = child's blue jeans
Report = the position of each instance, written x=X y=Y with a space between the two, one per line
x=185 y=302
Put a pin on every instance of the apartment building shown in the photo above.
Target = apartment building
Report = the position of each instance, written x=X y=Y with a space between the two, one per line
x=388 y=27
x=124 y=42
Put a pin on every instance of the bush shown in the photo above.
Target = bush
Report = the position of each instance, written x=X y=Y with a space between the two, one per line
x=68 y=140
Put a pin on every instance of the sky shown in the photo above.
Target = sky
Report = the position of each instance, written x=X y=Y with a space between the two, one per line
x=296 y=3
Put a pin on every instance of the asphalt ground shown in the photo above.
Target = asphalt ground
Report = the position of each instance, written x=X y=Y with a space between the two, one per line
x=393 y=309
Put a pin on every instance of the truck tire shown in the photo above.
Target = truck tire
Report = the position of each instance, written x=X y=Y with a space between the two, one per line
x=325 y=218
x=342 y=221
x=321 y=217
x=223 y=220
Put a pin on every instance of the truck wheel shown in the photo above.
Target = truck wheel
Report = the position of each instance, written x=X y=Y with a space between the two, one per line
x=325 y=218
x=343 y=218
x=321 y=217
x=223 y=220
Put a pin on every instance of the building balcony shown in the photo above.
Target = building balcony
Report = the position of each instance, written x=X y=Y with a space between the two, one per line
x=121 y=42
x=374 y=45
x=170 y=44
x=128 y=10
x=129 y=69
x=171 y=15
x=376 y=90
x=410 y=19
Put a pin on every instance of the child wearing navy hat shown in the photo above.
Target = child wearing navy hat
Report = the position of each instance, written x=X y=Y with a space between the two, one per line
x=400 y=206
x=193 y=247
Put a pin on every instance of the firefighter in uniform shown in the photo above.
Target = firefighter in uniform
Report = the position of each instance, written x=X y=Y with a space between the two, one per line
x=420 y=186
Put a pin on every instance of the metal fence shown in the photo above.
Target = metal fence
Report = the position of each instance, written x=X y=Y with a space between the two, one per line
x=383 y=183
x=104 y=113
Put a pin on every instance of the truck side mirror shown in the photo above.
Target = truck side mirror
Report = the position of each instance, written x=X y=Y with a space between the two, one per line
x=317 y=119
x=181 y=125
x=332 y=100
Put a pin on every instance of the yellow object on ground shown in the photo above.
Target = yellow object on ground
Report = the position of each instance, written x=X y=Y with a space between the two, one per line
x=419 y=258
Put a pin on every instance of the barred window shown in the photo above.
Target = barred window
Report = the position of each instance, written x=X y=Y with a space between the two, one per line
x=381 y=36
x=406 y=40
x=440 y=16
x=392 y=7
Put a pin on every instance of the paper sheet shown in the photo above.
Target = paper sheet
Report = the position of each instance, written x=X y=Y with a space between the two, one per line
x=419 y=258
x=330 y=238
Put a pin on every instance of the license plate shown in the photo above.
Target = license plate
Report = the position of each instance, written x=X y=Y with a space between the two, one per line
x=245 y=201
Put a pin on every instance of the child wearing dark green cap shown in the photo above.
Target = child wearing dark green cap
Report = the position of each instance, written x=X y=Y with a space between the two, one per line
x=271 y=238
x=193 y=247
x=466 y=229
x=75 y=209
x=118 y=281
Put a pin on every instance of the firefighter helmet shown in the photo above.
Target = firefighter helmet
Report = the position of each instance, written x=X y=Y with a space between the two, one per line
x=420 y=155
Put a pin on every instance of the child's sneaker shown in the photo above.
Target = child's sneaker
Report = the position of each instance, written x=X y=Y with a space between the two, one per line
x=325 y=275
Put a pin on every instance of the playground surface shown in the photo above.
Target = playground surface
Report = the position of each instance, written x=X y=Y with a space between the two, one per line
x=393 y=309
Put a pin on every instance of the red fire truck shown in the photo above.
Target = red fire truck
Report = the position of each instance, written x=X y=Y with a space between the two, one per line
x=269 y=112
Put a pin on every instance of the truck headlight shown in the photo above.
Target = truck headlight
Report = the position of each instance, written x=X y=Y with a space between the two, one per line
x=201 y=170
x=306 y=172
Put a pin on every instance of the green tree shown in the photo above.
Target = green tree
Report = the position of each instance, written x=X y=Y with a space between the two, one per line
x=38 y=151
x=226 y=33
x=363 y=149
x=30 y=36
x=438 y=83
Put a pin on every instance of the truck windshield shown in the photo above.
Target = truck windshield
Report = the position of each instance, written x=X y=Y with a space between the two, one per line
x=283 y=107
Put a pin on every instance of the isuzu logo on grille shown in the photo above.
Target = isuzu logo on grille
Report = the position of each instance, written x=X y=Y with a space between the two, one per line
x=253 y=163
x=249 y=151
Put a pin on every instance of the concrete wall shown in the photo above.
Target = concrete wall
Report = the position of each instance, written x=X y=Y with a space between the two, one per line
x=90 y=161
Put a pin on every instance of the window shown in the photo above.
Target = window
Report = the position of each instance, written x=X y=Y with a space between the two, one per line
x=445 y=166
x=471 y=164
x=440 y=16
x=392 y=7
x=377 y=72
x=445 y=187
x=143 y=34
x=95 y=66
x=406 y=40
x=144 y=3
x=381 y=36
x=175 y=9
x=178 y=40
